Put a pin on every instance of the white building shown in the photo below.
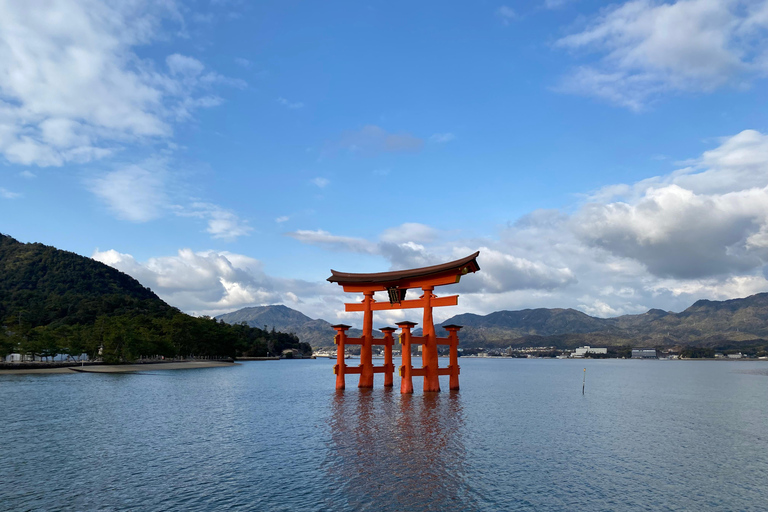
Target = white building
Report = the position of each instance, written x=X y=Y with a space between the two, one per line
x=644 y=353
x=583 y=351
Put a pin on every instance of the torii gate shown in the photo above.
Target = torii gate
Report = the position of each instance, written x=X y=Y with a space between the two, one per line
x=396 y=284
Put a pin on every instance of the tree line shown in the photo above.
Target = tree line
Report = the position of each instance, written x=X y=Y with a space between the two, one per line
x=126 y=338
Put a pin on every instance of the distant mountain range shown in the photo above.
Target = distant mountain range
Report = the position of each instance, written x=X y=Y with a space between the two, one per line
x=317 y=333
x=706 y=323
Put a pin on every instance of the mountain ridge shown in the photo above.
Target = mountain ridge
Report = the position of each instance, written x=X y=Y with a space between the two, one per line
x=706 y=322
x=316 y=332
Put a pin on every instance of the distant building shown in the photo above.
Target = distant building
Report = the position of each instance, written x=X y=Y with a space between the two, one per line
x=583 y=351
x=644 y=353
x=735 y=356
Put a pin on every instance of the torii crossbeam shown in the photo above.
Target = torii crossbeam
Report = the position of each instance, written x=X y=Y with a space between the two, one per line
x=396 y=284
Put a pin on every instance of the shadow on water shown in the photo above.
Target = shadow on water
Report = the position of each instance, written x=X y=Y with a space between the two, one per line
x=397 y=452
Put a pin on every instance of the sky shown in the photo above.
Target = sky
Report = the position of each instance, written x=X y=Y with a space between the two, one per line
x=607 y=157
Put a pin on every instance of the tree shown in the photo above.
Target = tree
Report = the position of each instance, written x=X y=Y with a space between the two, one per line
x=7 y=344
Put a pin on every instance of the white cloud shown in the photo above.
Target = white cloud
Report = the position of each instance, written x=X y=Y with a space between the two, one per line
x=504 y=272
x=701 y=222
x=651 y=48
x=181 y=65
x=74 y=90
x=442 y=138
x=409 y=232
x=141 y=193
x=333 y=242
x=28 y=175
x=678 y=233
x=555 y=4
x=282 y=218
x=405 y=246
x=696 y=233
x=320 y=182
x=371 y=140
x=289 y=104
x=507 y=14
x=7 y=194
x=699 y=232
x=135 y=193
x=212 y=283
x=222 y=224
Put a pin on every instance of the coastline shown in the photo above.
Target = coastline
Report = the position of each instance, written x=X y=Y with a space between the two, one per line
x=120 y=368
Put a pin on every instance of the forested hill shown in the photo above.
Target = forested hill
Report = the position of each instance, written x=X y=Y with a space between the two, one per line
x=54 y=301
x=41 y=285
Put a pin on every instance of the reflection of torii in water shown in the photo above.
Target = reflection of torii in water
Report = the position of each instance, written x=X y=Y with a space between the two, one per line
x=396 y=284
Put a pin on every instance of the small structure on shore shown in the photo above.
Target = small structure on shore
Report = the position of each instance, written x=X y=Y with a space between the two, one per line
x=396 y=284
x=644 y=353
x=586 y=349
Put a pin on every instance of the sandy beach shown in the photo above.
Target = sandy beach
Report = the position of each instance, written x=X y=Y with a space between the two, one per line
x=122 y=368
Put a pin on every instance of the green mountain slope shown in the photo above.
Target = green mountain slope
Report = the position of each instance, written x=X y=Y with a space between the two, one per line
x=41 y=285
x=54 y=301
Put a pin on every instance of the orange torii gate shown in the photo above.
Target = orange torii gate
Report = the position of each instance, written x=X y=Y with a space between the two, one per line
x=396 y=284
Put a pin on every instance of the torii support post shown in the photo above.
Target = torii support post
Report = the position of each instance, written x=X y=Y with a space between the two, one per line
x=366 y=347
x=429 y=346
x=406 y=370
x=340 y=340
x=453 y=339
x=389 y=367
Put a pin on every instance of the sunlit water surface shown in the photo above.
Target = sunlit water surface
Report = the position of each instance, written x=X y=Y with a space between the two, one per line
x=646 y=435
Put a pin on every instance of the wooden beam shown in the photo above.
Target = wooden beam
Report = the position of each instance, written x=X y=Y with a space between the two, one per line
x=409 y=284
x=451 y=300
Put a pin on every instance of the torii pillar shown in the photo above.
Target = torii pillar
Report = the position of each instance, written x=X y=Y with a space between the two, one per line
x=396 y=284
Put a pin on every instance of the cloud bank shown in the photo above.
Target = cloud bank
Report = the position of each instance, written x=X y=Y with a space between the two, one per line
x=699 y=232
x=647 y=49
x=73 y=89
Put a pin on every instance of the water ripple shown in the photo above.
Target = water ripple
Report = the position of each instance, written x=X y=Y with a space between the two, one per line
x=276 y=436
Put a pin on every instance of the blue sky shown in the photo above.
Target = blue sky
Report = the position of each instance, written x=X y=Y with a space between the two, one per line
x=606 y=157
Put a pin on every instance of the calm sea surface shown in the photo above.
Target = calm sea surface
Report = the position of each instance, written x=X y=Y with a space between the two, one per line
x=647 y=435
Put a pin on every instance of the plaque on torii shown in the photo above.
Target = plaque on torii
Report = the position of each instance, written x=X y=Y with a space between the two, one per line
x=396 y=284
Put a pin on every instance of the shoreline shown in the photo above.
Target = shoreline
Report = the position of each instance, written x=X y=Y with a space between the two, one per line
x=120 y=368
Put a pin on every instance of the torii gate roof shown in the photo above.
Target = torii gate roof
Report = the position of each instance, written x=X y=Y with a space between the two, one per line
x=408 y=278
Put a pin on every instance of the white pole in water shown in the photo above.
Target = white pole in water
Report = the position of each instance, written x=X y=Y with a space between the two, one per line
x=584 y=381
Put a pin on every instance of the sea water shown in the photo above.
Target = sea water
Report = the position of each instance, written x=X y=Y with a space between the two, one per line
x=275 y=435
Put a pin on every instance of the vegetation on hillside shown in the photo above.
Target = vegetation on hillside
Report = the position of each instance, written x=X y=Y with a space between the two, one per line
x=57 y=302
